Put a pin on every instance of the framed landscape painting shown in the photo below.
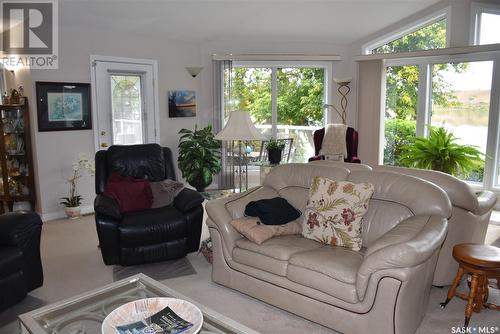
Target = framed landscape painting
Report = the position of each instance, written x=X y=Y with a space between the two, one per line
x=181 y=103
x=63 y=106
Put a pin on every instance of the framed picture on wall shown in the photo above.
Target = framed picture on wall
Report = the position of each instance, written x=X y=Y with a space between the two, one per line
x=63 y=106
x=181 y=103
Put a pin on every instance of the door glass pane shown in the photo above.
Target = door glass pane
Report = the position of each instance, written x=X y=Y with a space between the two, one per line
x=126 y=109
x=300 y=100
x=461 y=103
x=251 y=91
x=400 y=111
x=490 y=26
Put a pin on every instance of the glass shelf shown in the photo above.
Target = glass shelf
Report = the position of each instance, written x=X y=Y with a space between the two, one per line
x=16 y=180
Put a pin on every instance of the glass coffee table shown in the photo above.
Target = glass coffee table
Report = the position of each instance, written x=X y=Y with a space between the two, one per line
x=84 y=314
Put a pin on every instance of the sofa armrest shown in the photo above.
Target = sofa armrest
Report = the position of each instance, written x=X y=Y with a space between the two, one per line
x=23 y=229
x=408 y=244
x=486 y=201
x=106 y=206
x=15 y=225
x=220 y=219
x=187 y=200
x=221 y=211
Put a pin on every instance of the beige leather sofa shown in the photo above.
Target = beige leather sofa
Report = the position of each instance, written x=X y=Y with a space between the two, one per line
x=340 y=164
x=384 y=288
x=469 y=219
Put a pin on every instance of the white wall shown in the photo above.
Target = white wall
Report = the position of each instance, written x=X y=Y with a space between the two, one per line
x=57 y=150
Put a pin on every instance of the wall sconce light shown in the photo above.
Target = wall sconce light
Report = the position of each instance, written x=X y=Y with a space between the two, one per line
x=194 y=70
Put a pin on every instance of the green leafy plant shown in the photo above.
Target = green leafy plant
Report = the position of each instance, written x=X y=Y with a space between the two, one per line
x=72 y=201
x=199 y=156
x=274 y=144
x=441 y=152
x=398 y=134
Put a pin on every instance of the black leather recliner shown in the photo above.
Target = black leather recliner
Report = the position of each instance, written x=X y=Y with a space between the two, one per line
x=20 y=263
x=150 y=235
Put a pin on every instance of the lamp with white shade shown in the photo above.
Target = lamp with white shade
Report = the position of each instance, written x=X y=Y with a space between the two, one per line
x=240 y=128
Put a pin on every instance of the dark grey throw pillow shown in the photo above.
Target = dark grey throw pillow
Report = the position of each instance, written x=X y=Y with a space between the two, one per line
x=164 y=192
x=272 y=211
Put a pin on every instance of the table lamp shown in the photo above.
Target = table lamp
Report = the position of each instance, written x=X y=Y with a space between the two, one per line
x=240 y=128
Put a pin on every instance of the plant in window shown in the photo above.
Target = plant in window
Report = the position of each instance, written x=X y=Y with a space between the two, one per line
x=199 y=156
x=398 y=134
x=274 y=150
x=441 y=152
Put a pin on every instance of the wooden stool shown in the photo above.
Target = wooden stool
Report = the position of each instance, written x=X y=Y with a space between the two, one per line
x=482 y=262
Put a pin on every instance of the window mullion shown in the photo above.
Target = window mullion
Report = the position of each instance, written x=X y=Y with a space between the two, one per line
x=423 y=98
x=274 y=101
x=491 y=165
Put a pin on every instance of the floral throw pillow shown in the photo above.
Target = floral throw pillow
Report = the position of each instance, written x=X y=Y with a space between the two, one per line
x=334 y=212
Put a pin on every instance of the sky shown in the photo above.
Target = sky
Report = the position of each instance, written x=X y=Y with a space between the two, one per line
x=478 y=76
x=490 y=28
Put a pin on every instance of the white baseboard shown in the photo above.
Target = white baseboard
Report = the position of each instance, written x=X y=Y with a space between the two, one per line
x=61 y=214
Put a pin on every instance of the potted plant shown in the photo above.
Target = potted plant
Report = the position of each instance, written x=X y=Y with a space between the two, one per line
x=274 y=150
x=441 y=152
x=73 y=201
x=199 y=156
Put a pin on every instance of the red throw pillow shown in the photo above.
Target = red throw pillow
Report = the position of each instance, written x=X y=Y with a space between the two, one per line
x=130 y=194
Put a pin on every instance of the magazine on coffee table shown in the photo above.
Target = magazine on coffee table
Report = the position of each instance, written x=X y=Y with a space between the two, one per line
x=165 y=321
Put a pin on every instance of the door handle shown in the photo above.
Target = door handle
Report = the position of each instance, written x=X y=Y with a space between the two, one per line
x=103 y=133
x=104 y=145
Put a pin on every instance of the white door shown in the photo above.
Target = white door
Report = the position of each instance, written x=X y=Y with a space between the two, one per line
x=125 y=108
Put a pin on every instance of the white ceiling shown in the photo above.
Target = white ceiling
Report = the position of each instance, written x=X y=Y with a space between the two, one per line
x=337 y=21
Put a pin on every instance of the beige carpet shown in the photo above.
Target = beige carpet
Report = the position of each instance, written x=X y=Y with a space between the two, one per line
x=72 y=265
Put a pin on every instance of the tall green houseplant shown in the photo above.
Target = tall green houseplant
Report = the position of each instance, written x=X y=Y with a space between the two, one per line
x=441 y=152
x=199 y=156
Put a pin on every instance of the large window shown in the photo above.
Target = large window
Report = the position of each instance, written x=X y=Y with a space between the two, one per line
x=400 y=111
x=486 y=26
x=461 y=104
x=283 y=102
x=443 y=92
x=428 y=33
x=432 y=36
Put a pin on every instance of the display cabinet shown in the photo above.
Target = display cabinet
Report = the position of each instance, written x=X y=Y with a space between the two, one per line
x=16 y=159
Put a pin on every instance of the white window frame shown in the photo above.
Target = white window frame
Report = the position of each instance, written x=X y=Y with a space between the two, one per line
x=155 y=103
x=491 y=178
x=274 y=65
x=444 y=13
x=477 y=9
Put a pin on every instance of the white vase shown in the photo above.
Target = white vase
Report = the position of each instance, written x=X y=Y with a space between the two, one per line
x=73 y=212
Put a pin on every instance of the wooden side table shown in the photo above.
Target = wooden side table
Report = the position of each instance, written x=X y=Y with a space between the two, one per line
x=482 y=262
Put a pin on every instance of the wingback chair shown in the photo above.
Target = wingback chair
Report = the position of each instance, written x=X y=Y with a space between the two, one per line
x=351 y=138
x=149 y=235
x=20 y=262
